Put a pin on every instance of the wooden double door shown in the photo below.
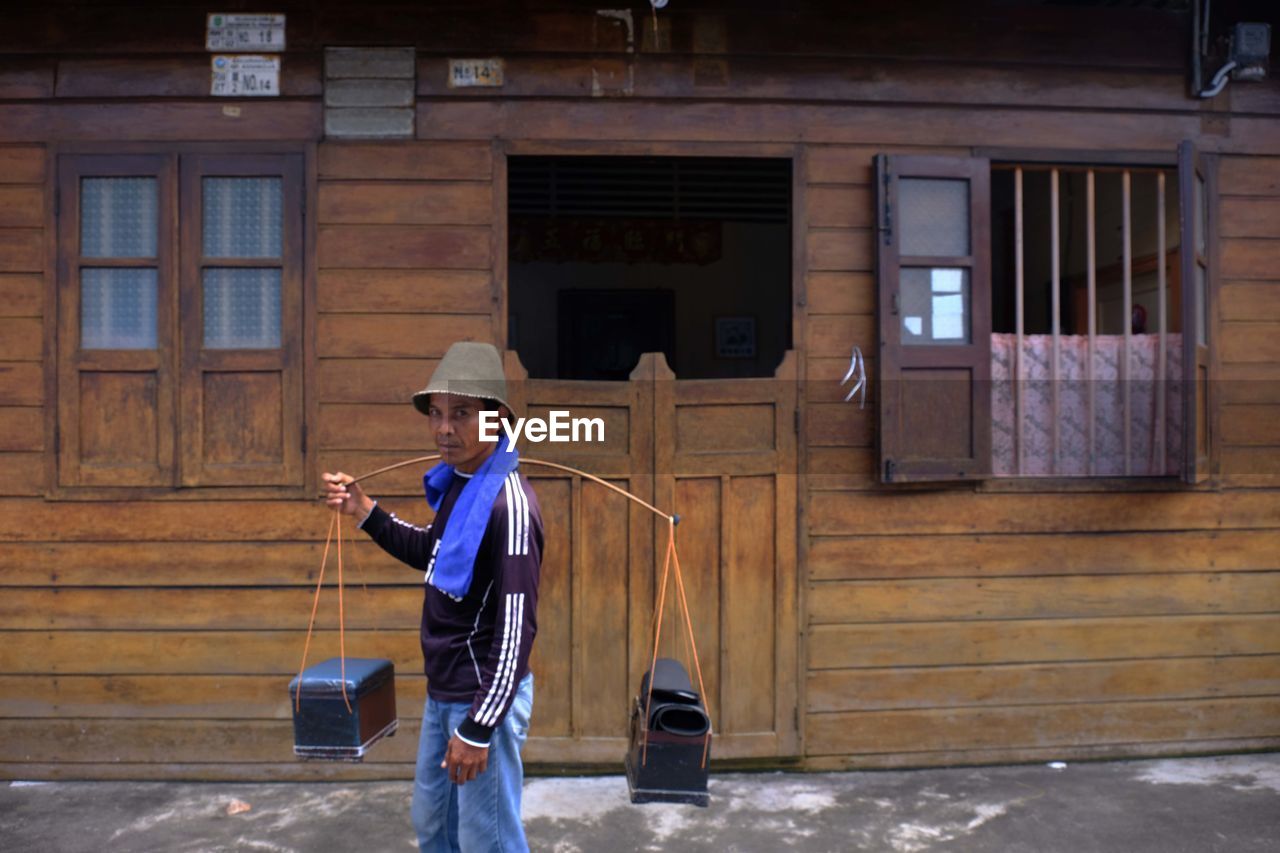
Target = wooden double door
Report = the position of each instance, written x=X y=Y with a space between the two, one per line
x=722 y=455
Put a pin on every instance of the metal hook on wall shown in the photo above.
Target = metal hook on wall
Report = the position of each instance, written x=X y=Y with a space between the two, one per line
x=858 y=365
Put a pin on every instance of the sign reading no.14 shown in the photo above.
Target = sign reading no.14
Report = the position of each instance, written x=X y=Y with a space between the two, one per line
x=245 y=76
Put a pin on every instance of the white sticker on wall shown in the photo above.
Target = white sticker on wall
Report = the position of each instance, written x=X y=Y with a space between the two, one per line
x=914 y=325
x=245 y=76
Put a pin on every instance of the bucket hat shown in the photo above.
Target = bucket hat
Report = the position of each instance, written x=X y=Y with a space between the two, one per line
x=468 y=369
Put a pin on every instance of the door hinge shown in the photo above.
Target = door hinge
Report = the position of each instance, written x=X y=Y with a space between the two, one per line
x=886 y=209
x=888 y=470
x=57 y=204
x=304 y=440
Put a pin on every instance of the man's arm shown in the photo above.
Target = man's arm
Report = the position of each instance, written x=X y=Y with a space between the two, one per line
x=406 y=542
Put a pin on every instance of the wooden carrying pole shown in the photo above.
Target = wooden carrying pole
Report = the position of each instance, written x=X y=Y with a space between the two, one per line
x=672 y=559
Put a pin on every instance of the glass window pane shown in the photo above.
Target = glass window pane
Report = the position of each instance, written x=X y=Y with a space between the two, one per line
x=118 y=217
x=934 y=216
x=241 y=308
x=934 y=304
x=117 y=308
x=242 y=217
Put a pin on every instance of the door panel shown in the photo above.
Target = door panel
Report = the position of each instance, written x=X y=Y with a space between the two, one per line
x=722 y=455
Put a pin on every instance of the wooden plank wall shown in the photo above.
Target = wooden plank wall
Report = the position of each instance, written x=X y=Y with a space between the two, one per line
x=155 y=639
x=964 y=626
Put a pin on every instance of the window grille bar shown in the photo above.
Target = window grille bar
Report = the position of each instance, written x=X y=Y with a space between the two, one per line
x=1018 y=308
x=1091 y=243
x=1054 y=296
x=1127 y=318
x=1158 y=464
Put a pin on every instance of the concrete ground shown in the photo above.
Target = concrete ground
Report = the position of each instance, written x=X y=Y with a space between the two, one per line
x=1229 y=803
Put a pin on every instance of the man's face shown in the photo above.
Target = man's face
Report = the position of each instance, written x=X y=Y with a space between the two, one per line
x=455 y=422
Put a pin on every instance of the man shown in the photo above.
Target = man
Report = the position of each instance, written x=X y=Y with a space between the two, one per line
x=482 y=556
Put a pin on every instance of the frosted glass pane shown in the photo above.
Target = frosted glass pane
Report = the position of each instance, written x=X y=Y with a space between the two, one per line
x=934 y=304
x=117 y=308
x=241 y=308
x=933 y=216
x=118 y=217
x=242 y=217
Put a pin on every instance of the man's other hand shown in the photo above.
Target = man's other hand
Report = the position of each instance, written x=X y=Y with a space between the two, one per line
x=464 y=762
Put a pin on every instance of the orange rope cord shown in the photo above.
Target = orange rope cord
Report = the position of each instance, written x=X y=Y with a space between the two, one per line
x=342 y=628
x=657 y=635
x=693 y=642
x=315 y=604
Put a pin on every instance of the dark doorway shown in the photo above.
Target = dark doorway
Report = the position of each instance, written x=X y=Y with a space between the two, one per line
x=611 y=257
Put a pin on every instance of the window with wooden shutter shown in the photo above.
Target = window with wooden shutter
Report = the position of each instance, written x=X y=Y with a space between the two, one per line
x=180 y=323
x=1194 y=225
x=933 y=248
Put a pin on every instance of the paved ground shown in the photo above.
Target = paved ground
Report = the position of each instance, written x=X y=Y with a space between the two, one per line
x=1203 y=804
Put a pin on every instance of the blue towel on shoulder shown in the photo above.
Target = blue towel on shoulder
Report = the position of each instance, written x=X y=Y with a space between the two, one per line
x=460 y=540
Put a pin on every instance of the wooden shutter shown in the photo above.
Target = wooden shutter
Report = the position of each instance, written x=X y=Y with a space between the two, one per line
x=115 y=391
x=1194 y=194
x=933 y=257
x=241 y=404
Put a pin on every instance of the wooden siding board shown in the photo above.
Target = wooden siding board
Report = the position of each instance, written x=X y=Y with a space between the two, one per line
x=274 y=652
x=405 y=160
x=21 y=475
x=1043 y=725
x=227 y=697
x=21 y=250
x=21 y=383
x=419 y=291
x=1055 y=597
x=21 y=339
x=161 y=121
x=22 y=164
x=381 y=380
x=208 y=608
x=1245 y=343
x=1036 y=684
x=1248 y=302
x=864 y=125
x=888 y=556
x=22 y=428
x=1028 y=641
x=53 y=565
x=913 y=513
x=397 y=335
x=21 y=295
x=403 y=246
x=370 y=202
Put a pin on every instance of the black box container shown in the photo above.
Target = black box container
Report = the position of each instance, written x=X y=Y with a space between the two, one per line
x=670 y=769
x=323 y=728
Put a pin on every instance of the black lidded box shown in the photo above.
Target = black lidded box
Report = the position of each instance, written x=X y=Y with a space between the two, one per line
x=665 y=762
x=323 y=728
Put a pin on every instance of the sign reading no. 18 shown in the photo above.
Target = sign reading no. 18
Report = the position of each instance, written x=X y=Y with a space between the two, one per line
x=244 y=32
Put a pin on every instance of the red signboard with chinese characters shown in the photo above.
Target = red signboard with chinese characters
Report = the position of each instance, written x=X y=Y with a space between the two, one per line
x=630 y=241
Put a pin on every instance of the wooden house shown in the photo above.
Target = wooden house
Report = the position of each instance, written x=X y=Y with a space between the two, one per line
x=231 y=249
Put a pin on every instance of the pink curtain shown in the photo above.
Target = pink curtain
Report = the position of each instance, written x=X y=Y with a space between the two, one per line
x=1153 y=452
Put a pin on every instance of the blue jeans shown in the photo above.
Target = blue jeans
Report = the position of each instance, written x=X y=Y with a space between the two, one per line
x=483 y=815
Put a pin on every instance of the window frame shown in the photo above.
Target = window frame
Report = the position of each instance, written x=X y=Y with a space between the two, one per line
x=1199 y=472
x=63 y=288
